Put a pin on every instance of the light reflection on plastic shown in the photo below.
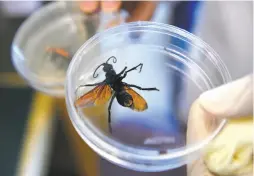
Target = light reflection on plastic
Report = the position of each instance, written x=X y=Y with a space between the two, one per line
x=19 y=8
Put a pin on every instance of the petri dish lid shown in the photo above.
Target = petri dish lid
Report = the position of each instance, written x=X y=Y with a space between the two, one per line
x=46 y=42
x=153 y=139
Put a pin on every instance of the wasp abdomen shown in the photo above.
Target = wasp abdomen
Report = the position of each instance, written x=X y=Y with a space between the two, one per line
x=124 y=99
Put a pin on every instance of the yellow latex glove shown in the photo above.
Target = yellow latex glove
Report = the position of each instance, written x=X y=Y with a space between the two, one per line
x=231 y=152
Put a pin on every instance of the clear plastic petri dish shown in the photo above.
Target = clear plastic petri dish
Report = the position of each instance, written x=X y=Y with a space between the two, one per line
x=147 y=132
x=47 y=40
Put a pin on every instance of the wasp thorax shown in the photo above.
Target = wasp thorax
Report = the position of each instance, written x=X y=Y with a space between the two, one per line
x=124 y=99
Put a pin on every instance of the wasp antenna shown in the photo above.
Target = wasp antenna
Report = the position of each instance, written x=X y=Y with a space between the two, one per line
x=114 y=59
x=96 y=70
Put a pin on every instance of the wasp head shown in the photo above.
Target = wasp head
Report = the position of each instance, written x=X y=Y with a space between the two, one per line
x=106 y=66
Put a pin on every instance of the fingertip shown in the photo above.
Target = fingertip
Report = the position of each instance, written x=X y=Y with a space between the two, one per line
x=110 y=6
x=88 y=6
x=232 y=100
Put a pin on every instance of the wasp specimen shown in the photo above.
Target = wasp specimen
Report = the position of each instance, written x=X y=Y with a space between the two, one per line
x=59 y=51
x=59 y=55
x=114 y=87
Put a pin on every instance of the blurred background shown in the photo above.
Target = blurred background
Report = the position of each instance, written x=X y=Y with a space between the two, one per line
x=38 y=140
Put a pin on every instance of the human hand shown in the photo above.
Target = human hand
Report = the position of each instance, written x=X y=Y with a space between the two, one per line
x=230 y=153
x=138 y=10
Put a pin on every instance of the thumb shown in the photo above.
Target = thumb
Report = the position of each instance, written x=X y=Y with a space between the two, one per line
x=231 y=100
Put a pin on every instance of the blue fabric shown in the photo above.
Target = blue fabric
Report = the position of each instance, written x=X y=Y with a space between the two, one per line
x=185 y=17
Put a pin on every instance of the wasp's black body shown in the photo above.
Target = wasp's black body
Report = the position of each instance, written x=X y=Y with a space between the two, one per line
x=115 y=81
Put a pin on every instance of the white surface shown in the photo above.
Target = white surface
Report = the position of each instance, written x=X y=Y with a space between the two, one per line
x=227 y=26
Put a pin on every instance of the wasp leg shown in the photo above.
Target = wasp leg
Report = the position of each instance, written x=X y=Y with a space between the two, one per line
x=140 y=88
x=134 y=68
x=109 y=111
x=122 y=71
x=95 y=84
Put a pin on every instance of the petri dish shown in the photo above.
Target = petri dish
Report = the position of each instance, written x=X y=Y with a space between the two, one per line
x=153 y=138
x=47 y=40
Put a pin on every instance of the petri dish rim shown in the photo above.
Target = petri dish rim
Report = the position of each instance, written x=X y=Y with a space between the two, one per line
x=21 y=30
x=132 y=157
x=38 y=82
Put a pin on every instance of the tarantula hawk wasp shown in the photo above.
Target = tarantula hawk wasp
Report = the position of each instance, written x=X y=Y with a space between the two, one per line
x=114 y=87
x=59 y=56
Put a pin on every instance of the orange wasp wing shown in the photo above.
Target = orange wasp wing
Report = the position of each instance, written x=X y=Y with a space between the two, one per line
x=139 y=103
x=97 y=96
x=59 y=51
